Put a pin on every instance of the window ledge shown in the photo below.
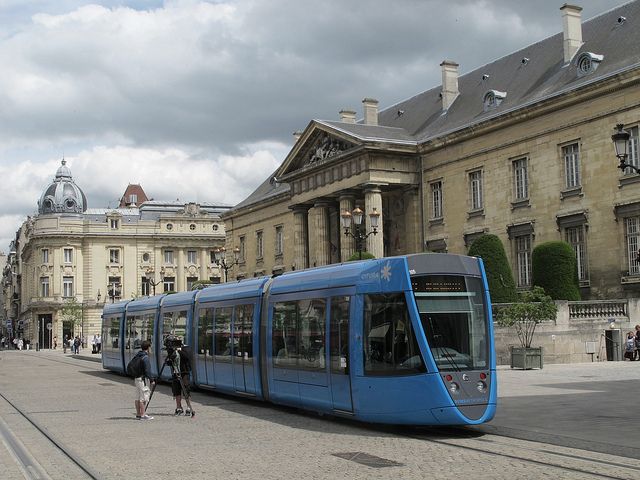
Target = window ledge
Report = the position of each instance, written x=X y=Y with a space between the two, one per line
x=629 y=179
x=629 y=279
x=476 y=213
x=524 y=203
x=571 y=192
x=436 y=221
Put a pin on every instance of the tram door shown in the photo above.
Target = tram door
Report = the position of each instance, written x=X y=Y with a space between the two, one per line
x=339 y=353
x=242 y=360
x=203 y=370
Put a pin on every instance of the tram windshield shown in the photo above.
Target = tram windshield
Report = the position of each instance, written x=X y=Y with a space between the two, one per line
x=453 y=317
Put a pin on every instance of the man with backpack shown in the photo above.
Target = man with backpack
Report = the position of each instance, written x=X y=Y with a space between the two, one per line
x=140 y=369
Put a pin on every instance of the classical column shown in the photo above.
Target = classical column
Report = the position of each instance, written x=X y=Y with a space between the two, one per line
x=347 y=242
x=373 y=199
x=181 y=283
x=300 y=237
x=204 y=264
x=322 y=233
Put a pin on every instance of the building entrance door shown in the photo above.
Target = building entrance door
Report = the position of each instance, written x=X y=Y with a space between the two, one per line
x=45 y=330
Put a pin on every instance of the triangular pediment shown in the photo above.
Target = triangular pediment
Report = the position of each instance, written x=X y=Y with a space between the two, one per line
x=315 y=147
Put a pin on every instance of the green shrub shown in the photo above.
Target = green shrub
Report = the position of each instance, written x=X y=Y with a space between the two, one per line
x=501 y=285
x=365 y=256
x=554 y=268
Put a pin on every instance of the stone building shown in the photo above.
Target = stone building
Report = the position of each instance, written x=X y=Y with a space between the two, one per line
x=89 y=256
x=520 y=147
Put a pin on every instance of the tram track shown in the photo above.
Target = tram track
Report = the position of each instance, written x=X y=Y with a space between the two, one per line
x=560 y=460
x=27 y=462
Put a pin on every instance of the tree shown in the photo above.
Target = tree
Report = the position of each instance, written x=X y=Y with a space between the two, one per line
x=554 y=268
x=534 y=307
x=501 y=285
x=365 y=256
x=71 y=312
x=200 y=284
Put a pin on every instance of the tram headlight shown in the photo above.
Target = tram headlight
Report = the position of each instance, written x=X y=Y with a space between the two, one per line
x=454 y=387
x=481 y=386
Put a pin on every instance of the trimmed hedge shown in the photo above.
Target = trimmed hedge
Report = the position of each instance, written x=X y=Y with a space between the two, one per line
x=554 y=268
x=499 y=276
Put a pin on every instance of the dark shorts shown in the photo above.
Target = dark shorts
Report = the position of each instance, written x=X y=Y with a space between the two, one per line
x=176 y=389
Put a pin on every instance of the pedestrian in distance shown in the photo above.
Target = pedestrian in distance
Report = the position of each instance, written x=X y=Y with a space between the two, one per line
x=630 y=346
x=637 y=355
x=20 y=344
x=55 y=342
x=93 y=344
x=99 y=343
x=142 y=380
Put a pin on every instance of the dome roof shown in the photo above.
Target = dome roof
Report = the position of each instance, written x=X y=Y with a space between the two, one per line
x=63 y=195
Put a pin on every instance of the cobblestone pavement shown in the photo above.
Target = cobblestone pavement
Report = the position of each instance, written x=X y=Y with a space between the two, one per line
x=90 y=413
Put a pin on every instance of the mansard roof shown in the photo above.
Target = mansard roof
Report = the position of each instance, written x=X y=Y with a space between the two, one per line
x=532 y=75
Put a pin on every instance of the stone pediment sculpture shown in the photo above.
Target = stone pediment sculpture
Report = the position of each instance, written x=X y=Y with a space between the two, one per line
x=323 y=148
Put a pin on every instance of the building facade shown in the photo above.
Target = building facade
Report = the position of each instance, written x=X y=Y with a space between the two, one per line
x=520 y=148
x=69 y=254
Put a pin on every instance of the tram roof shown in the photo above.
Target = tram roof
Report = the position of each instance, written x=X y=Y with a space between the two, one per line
x=383 y=274
x=175 y=299
x=146 y=303
x=232 y=290
x=111 y=308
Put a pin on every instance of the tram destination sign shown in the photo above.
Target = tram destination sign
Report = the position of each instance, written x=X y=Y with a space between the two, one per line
x=439 y=283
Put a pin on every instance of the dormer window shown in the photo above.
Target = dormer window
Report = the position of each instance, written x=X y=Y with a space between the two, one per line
x=493 y=99
x=587 y=63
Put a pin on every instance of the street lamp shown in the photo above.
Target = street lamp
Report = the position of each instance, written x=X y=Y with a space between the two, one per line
x=621 y=143
x=220 y=254
x=355 y=217
x=150 y=271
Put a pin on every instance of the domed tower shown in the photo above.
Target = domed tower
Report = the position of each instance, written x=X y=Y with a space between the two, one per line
x=63 y=195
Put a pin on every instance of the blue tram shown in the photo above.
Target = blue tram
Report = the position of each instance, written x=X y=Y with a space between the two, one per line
x=400 y=340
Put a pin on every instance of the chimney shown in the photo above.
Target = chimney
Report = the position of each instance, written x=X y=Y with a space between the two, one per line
x=449 y=83
x=572 y=30
x=347 y=116
x=370 y=106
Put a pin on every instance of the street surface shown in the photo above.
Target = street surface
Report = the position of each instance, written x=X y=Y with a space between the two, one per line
x=565 y=421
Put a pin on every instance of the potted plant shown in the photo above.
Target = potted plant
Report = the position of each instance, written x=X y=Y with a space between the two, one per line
x=535 y=306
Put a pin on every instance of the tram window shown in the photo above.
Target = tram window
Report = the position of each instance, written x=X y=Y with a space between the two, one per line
x=389 y=340
x=111 y=334
x=339 y=335
x=222 y=333
x=311 y=317
x=174 y=323
x=129 y=332
x=243 y=331
x=205 y=331
x=452 y=315
x=285 y=334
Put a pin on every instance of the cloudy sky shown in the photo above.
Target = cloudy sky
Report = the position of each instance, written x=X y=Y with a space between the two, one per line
x=197 y=100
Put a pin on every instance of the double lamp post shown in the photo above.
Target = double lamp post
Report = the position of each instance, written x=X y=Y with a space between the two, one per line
x=352 y=224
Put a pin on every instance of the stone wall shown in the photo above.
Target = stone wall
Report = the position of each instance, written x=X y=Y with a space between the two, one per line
x=565 y=340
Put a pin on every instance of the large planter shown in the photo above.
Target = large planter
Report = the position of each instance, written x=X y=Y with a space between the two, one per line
x=526 y=358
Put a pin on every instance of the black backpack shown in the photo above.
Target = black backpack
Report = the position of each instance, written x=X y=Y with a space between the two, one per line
x=135 y=367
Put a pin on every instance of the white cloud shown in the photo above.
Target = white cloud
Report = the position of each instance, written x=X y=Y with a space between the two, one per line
x=197 y=99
